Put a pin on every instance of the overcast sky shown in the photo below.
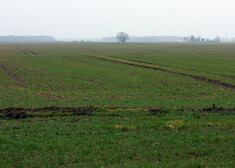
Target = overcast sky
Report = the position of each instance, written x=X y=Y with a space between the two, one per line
x=102 y=18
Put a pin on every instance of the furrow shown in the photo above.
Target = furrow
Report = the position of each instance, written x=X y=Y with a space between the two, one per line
x=13 y=76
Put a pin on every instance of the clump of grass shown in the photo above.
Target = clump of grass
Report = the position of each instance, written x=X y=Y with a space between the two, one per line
x=175 y=124
x=215 y=124
x=125 y=128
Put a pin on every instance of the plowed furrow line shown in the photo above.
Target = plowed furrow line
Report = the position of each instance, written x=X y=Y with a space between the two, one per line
x=13 y=76
x=211 y=81
x=23 y=52
x=34 y=53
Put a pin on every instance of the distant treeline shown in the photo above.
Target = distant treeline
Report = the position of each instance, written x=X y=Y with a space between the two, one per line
x=146 y=39
x=201 y=39
x=27 y=39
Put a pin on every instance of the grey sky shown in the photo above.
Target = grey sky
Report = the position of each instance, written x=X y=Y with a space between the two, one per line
x=99 y=18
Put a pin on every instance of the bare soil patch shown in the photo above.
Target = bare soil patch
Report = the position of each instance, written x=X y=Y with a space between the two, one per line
x=213 y=108
x=21 y=113
x=157 y=111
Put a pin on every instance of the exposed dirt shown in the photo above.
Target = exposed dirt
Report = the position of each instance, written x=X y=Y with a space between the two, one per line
x=47 y=109
x=17 y=115
x=211 y=81
x=213 y=108
x=21 y=113
x=157 y=111
x=13 y=76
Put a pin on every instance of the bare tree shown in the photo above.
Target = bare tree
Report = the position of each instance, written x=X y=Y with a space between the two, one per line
x=122 y=37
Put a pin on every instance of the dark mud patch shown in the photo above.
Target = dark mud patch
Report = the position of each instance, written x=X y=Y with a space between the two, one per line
x=13 y=76
x=120 y=108
x=48 y=109
x=198 y=78
x=17 y=115
x=53 y=111
x=214 y=108
x=157 y=111
x=21 y=113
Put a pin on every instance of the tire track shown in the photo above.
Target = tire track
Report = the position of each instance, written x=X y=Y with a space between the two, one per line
x=154 y=64
x=34 y=53
x=26 y=52
x=13 y=76
x=211 y=81
x=227 y=76
x=22 y=51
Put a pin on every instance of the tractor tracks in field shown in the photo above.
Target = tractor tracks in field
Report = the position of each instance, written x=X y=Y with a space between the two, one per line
x=34 y=53
x=25 y=51
x=148 y=66
x=155 y=64
x=22 y=51
x=193 y=70
x=12 y=75
x=229 y=76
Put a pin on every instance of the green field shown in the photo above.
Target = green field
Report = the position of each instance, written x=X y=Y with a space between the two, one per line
x=142 y=105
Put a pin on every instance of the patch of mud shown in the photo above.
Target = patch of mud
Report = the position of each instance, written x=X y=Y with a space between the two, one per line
x=157 y=111
x=47 y=109
x=211 y=81
x=13 y=76
x=213 y=108
x=17 y=115
x=21 y=113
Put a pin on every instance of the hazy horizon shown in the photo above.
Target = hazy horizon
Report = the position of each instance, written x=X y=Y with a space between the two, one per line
x=76 y=19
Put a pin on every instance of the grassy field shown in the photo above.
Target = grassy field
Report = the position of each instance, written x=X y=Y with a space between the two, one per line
x=143 y=105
